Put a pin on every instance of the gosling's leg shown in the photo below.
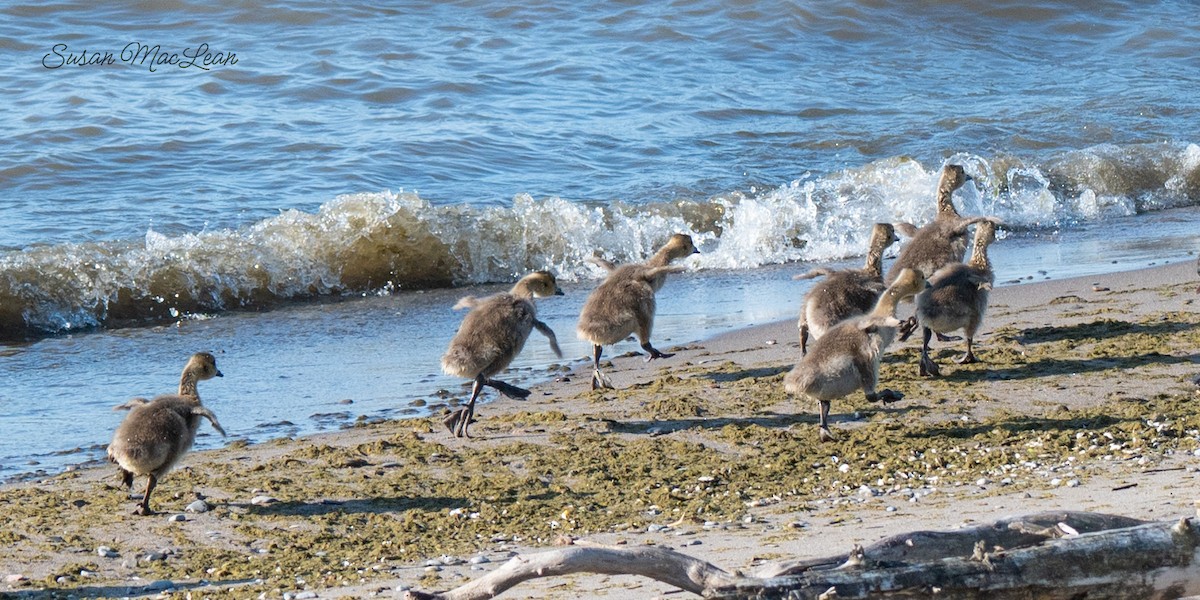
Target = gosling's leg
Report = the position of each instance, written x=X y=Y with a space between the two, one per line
x=803 y=339
x=824 y=433
x=599 y=379
x=468 y=413
x=928 y=368
x=144 y=507
x=907 y=327
x=969 y=357
x=458 y=420
x=644 y=326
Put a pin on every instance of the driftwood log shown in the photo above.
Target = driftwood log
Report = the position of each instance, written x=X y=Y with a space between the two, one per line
x=1053 y=555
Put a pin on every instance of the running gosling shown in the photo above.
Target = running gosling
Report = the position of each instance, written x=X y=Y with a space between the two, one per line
x=844 y=294
x=942 y=241
x=624 y=303
x=491 y=336
x=846 y=358
x=957 y=298
x=157 y=433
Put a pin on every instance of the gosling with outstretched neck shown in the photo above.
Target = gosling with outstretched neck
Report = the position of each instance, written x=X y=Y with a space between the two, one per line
x=942 y=241
x=846 y=358
x=158 y=432
x=491 y=336
x=624 y=303
x=846 y=293
x=957 y=298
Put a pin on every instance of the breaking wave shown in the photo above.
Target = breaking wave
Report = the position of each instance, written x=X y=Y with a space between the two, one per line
x=372 y=243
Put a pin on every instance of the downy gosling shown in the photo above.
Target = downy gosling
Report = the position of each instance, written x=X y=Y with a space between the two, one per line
x=957 y=298
x=491 y=336
x=624 y=303
x=846 y=293
x=942 y=241
x=158 y=432
x=847 y=357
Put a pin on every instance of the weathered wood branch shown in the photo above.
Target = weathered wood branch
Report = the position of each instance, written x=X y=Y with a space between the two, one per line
x=917 y=546
x=1047 y=555
x=682 y=571
x=1153 y=560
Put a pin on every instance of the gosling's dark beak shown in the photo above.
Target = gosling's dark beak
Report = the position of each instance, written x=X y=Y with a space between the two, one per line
x=558 y=292
x=695 y=251
x=968 y=177
x=219 y=373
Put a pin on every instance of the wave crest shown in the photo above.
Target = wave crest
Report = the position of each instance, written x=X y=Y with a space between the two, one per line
x=382 y=242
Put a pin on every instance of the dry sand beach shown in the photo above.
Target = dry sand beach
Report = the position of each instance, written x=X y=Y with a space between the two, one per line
x=1083 y=401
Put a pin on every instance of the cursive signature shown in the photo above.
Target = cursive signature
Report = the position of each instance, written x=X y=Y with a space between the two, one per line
x=143 y=55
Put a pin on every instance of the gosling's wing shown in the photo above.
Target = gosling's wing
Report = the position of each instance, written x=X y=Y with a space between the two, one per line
x=131 y=403
x=549 y=333
x=212 y=418
x=603 y=264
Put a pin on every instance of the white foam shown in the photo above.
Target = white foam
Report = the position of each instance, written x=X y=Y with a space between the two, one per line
x=385 y=241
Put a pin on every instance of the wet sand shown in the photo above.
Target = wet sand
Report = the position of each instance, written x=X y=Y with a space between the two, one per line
x=1083 y=401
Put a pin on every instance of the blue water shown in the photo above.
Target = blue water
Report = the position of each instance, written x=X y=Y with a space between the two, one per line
x=299 y=203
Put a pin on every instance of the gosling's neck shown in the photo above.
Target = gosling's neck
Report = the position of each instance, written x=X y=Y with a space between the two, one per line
x=945 y=200
x=668 y=254
x=874 y=263
x=662 y=258
x=886 y=305
x=979 y=256
x=187 y=384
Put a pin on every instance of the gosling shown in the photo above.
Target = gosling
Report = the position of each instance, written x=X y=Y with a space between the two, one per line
x=158 y=432
x=491 y=336
x=957 y=298
x=844 y=294
x=942 y=241
x=624 y=303
x=846 y=358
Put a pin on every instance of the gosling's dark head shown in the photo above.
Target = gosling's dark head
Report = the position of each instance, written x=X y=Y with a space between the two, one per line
x=204 y=365
x=680 y=245
x=540 y=284
x=953 y=177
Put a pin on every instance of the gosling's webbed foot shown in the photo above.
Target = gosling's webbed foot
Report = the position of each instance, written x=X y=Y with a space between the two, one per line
x=508 y=389
x=907 y=327
x=126 y=478
x=143 y=511
x=966 y=359
x=451 y=421
x=457 y=423
x=947 y=338
x=600 y=381
x=826 y=435
x=653 y=353
x=460 y=430
x=928 y=368
x=888 y=396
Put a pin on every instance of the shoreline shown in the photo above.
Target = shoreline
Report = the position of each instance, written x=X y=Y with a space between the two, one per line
x=353 y=344
x=702 y=452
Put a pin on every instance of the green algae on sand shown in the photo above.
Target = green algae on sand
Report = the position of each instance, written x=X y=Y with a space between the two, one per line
x=706 y=443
